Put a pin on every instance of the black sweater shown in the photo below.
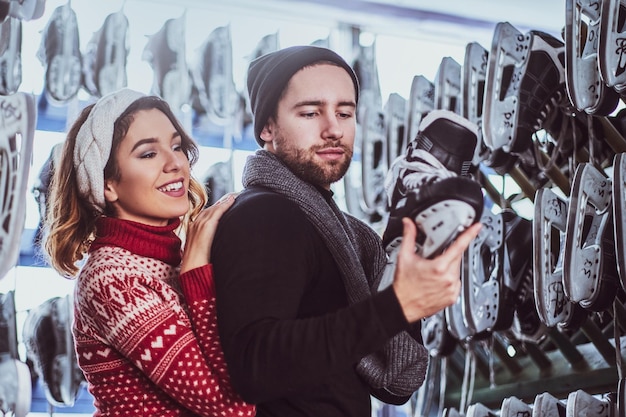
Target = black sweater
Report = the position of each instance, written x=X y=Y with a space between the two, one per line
x=290 y=339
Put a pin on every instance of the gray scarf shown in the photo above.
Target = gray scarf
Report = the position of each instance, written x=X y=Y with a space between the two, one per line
x=401 y=365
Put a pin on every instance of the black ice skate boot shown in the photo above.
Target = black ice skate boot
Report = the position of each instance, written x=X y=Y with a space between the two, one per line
x=429 y=184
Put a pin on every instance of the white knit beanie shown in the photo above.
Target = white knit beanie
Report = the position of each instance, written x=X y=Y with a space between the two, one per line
x=94 y=141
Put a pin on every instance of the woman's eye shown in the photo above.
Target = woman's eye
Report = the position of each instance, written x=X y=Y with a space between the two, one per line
x=148 y=155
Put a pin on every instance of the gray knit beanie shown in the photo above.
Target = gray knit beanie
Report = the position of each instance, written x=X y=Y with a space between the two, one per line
x=269 y=74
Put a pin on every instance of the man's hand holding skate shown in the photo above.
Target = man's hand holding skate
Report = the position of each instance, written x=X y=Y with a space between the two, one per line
x=426 y=286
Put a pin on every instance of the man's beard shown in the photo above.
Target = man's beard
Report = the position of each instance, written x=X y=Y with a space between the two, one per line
x=302 y=163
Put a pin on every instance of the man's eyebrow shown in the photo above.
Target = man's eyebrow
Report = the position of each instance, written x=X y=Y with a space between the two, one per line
x=322 y=102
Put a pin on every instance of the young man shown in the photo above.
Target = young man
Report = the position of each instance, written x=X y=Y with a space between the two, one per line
x=304 y=331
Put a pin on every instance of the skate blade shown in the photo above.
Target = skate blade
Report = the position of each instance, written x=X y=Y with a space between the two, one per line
x=448 y=86
x=584 y=278
x=17 y=118
x=10 y=56
x=482 y=284
x=619 y=205
x=586 y=89
x=514 y=407
x=473 y=91
x=612 y=61
x=580 y=403
x=421 y=101
x=550 y=216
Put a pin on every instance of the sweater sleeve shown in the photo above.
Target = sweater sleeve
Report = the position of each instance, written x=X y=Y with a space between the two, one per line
x=263 y=256
x=199 y=290
x=148 y=330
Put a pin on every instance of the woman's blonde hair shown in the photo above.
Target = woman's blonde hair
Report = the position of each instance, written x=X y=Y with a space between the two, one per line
x=71 y=221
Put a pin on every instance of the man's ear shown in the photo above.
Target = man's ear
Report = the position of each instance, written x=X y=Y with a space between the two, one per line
x=266 y=134
x=110 y=194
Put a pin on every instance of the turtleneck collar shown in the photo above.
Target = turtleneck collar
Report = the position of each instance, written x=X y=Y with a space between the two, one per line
x=158 y=242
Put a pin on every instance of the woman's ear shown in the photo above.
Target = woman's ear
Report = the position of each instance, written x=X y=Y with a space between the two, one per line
x=110 y=194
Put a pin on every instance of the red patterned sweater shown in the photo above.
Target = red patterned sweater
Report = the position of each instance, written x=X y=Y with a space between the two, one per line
x=134 y=338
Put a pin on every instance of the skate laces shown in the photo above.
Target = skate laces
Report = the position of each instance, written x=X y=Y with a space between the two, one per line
x=422 y=168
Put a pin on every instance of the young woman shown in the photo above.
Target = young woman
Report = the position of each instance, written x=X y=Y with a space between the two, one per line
x=121 y=195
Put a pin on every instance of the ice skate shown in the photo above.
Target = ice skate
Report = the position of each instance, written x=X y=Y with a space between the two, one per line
x=26 y=9
x=589 y=268
x=517 y=311
x=454 y=314
x=421 y=101
x=429 y=185
x=17 y=130
x=482 y=284
x=473 y=93
x=619 y=207
x=612 y=61
x=104 y=62
x=479 y=410
x=549 y=228
x=448 y=86
x=10 y=56
x=49 y=344
x=514 y=407
x=59 y=52
x=212 y=78
x=581 y=403
x=546 y=405
x=219 y=180
x=436 y=336
x=395 y=127
x=525 y=83
x=585 y=86
x=165 y=52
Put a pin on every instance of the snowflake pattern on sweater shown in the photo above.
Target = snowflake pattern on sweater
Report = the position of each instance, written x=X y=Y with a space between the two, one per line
x=135 y=341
